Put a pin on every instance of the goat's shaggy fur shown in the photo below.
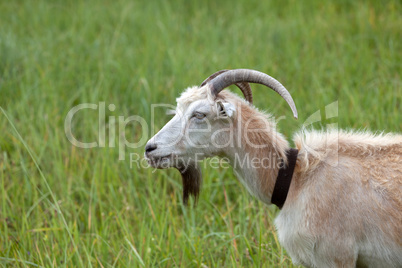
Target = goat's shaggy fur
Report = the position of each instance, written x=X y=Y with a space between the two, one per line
x=345 y=199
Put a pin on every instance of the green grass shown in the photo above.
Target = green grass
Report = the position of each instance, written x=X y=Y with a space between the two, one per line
x=65 y=206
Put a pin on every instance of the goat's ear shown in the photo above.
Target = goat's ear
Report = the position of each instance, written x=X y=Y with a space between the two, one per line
x=225 y=109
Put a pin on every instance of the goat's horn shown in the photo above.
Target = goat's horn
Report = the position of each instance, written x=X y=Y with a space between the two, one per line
x=231 y=77
x=243 y=86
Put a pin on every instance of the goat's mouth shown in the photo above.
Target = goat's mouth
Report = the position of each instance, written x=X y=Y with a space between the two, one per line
x=190 y=172
x=161 y=162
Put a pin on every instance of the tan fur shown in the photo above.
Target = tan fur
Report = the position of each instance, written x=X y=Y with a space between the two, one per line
x=261 y=130
x=365 y=171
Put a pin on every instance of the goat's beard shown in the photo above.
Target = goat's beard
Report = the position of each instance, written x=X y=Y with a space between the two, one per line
x=191 y=178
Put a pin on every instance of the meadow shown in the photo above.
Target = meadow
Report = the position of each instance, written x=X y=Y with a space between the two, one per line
x=65 y=206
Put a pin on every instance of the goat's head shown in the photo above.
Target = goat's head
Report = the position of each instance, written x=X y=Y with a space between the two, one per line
x=203 y=123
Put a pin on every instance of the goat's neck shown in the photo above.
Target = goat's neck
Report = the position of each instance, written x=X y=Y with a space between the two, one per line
x=257 y=154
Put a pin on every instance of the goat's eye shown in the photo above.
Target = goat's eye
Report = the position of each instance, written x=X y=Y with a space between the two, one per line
x=199 y=115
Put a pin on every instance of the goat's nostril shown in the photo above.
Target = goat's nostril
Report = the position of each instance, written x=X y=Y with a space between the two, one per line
x=150 y=147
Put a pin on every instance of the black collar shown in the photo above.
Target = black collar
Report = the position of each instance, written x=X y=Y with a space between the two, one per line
x=284 y=179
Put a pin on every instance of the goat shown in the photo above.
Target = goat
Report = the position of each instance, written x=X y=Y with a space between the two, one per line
x=342 y=205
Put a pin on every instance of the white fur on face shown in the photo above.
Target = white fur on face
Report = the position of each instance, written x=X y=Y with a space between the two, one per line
x=195 y=132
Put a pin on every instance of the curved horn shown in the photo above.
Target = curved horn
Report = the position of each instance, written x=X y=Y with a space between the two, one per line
x=245 y=75
x=243 y=86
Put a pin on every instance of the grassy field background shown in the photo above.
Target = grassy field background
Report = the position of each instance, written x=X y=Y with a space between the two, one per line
x=61 y=205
